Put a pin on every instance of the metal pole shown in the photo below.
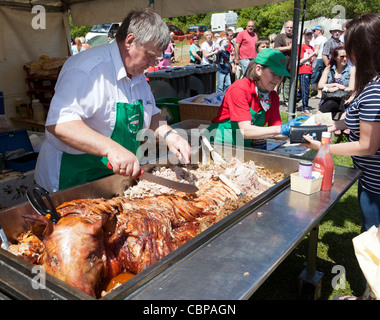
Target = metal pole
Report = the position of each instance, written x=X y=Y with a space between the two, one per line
x=293 y=57
x=310 y=278
x=313 y=245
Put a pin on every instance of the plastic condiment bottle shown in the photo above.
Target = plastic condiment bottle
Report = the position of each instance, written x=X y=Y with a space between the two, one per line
x=38 y=110
x=323 y=162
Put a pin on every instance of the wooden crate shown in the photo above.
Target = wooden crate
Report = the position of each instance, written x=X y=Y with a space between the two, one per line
x=190 y=108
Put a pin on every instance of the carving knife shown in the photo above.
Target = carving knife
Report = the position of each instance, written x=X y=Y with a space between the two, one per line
x=4 y=241
x=184 y=187
x=215 y=156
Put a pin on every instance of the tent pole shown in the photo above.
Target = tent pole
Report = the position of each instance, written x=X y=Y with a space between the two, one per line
x=293 y=57
x=299 y=48
x=66 y=24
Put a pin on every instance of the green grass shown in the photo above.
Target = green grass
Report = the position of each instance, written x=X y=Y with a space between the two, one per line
x=336 y=231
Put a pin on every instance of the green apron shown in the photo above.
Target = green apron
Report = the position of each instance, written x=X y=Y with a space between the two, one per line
x=228 y=132
x=81 y=168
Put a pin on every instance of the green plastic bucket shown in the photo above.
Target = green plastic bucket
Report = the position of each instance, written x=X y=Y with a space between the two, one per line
x=169 y=109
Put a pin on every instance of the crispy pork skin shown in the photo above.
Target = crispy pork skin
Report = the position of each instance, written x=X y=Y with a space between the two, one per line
x=74 y=249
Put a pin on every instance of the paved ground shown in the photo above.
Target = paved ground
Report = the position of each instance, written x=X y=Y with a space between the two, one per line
x=313 y=104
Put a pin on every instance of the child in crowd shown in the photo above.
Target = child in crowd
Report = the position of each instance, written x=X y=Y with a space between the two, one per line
x=223 y=77
x=305 y=72
x=261 y=44
x=231 y=49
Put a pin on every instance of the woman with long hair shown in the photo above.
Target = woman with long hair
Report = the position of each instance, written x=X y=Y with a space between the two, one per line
x=362 y=41
x=78 y=47
x=338 y=75
x=209 y=49
x=195 y=51
x=362 y=117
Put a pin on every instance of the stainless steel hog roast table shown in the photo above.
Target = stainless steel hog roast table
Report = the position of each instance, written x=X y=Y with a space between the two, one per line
x=229 y=260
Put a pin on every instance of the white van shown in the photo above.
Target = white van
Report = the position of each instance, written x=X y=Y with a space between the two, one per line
x=221 y=22
x=102 y=29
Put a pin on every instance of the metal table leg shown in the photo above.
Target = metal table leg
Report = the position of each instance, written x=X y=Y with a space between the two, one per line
x=310 y=278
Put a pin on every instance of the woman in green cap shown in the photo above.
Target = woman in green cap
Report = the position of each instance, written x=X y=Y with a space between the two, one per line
x=251 y=103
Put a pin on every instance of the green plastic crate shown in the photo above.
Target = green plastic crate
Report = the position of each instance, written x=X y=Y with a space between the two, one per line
x=169 y=109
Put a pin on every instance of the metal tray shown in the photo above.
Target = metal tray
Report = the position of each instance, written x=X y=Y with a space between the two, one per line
x=16 y=275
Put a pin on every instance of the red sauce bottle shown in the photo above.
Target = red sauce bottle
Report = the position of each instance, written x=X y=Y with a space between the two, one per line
x=323 y=162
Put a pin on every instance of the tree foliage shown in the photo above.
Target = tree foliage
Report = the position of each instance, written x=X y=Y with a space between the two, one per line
x=186 y=21
x=78 y=31
x=318 y=8
x=271 y=17
x=268 y=18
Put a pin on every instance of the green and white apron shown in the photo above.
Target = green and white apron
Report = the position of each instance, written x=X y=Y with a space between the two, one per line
x=228 y=132
x=81 y=168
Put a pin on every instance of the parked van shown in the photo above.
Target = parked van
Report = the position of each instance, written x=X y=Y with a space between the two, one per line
x=102 y=29
x=221 y=22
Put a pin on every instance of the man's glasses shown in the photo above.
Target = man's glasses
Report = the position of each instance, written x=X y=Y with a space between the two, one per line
x=151 y=56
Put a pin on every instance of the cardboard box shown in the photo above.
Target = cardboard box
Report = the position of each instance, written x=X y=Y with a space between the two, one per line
x=303 y=185
x=194 y=108
x=193 y=129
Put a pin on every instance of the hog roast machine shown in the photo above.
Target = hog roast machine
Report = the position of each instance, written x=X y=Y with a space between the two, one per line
x=229 y=260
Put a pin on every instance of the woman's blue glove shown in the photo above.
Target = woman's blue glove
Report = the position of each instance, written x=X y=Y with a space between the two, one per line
x=285 y=128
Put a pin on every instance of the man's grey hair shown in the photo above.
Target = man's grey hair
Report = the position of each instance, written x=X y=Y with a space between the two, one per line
x=146 y=26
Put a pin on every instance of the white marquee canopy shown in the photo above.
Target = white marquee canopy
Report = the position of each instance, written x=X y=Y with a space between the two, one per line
x=21 y=39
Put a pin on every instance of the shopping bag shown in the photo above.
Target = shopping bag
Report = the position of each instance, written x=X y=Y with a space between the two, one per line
x=239 y=72
x=367 y=251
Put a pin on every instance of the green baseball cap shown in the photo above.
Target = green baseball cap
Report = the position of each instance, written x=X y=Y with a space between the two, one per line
x=274 y=59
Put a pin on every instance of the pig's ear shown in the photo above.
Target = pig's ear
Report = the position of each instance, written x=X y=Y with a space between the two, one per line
x=39 y=225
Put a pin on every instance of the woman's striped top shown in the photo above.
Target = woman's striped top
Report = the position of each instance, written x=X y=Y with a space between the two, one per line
x=366 y=107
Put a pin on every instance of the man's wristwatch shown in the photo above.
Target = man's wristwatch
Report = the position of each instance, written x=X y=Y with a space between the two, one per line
x=169 y=132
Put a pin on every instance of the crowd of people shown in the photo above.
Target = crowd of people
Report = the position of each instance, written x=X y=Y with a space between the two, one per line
x=234 y=52
x=323 y=73
x=324 y=68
